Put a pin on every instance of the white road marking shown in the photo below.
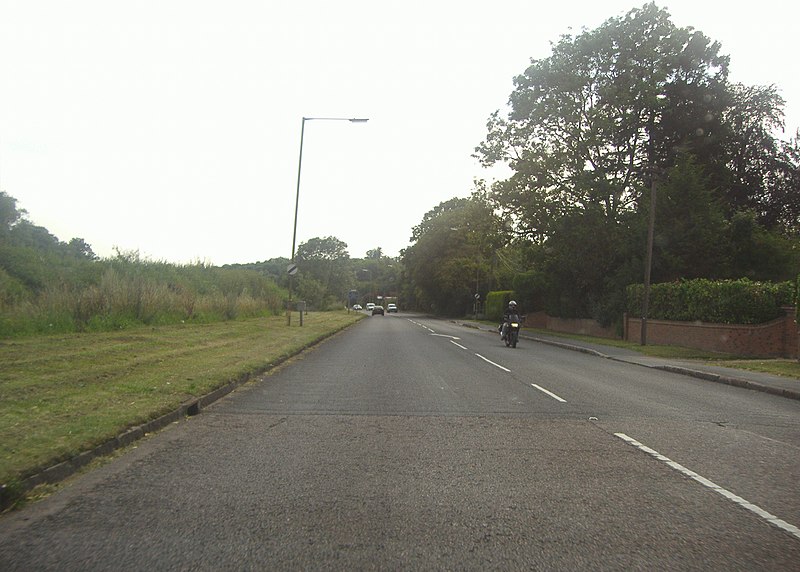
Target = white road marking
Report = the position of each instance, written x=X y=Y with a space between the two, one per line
x=550 y=393
x=771 y=518
x=494 y=364
x=446 y=336
x=420 y=325
x=457 y=344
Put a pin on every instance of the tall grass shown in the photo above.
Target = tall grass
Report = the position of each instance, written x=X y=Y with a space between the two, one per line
x=127 y=291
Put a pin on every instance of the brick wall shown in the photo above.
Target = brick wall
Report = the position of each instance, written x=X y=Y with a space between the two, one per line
x=778 y=338
x=569 y=326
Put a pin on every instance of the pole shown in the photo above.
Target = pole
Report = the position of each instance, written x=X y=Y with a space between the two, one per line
x=297 y=200
x=649 y=262
x=294 y=232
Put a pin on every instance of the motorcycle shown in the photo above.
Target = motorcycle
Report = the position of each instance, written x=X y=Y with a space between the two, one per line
x=512 y=330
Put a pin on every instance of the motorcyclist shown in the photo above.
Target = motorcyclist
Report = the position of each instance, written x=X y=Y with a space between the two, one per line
x=511 y=310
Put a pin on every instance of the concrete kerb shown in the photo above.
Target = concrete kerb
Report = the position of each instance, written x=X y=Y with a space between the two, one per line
x=698 y=374
x=65 y=469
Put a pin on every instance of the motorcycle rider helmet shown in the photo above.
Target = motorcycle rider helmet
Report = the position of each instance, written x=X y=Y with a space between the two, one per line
x=512 y=304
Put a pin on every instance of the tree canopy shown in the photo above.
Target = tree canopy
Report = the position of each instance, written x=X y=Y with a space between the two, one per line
x=613 y=113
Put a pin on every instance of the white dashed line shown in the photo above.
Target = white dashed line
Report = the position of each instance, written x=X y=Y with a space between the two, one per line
x=771 y=518
x=457 y=344
x=494 y=364
x=550 y=393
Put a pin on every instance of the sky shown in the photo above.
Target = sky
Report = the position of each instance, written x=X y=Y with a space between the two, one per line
x=172 y=128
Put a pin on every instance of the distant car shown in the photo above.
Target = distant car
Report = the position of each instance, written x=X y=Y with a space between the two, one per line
x=377 y=310
x=357 y=307
x=370 y=306
x=391 y=308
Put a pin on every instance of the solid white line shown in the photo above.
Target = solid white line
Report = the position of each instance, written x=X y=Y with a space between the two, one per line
x=457 y=344
x=491 y=362
x=771 y=518
x=550 y=393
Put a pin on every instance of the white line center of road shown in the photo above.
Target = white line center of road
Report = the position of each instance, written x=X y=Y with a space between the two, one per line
x=771 y=518
x=457 y=344
x=550 y=393
x=446 y=336
x=491 y=362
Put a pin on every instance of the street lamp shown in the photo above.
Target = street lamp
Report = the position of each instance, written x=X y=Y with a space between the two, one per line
x=292 y=267
x=649 y=262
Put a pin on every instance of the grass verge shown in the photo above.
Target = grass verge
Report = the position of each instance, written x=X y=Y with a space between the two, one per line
x=776 y=366
x=65 y=394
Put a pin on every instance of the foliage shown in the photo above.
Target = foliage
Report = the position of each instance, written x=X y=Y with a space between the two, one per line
x=614 y=112
x=496 y=303
x=690 y=228
x=450 y=260
x=587 y=123
x=48 y=286
x=323 y=264
x=724 y=301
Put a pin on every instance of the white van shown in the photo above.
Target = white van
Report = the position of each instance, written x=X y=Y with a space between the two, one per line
x=370 y=306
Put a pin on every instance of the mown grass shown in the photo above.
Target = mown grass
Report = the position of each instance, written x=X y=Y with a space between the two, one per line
x=64 y=394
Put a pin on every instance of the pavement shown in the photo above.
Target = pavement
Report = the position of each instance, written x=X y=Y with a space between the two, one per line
x=757 y=381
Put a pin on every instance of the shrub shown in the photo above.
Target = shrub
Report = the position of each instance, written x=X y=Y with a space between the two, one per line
x=496 y=303
x=724 y=301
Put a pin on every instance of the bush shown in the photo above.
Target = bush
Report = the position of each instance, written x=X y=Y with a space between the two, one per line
x=724 y=302
x=496 y=303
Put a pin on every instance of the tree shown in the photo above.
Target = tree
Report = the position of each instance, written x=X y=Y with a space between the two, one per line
x=761 y=168
x=324 y=265
x=81 y=249
x=613 y=110
x=9 y=214
x=451 y=252
x=588 y=124
x=690 y=226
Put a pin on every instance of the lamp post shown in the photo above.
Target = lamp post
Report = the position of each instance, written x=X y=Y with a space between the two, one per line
x=292 y=267
x=649 y=262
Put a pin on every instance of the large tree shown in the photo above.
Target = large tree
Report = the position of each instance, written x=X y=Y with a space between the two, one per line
x=325 y=270
x=588 y=125
x=451 y=257
x=614 y=112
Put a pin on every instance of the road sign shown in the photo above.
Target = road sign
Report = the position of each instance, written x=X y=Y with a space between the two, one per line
x=292 y=269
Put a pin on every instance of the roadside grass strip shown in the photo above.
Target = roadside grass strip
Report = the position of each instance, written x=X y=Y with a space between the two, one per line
x=770 y=518
x=64 y=395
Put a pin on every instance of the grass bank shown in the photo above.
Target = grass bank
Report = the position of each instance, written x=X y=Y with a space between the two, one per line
x=61 y=395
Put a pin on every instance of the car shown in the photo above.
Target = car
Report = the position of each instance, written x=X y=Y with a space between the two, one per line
x=391 y=308
x=357 y=307
x=377 y=310
x=370 y=306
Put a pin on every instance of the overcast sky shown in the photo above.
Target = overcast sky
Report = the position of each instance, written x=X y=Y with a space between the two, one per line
x=172 y=127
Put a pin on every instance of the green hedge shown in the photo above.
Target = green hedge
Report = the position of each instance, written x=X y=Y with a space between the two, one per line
x=724 y=301
x=496 y=303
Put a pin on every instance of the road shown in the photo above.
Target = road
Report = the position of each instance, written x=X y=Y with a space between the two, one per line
x=410 y=443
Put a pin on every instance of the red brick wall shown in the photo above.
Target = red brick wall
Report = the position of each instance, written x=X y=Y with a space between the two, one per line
x=569 y=326
x=778 y=338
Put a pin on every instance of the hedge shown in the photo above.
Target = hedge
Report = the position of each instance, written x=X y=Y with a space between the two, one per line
x=496 y=303
x=723 y=302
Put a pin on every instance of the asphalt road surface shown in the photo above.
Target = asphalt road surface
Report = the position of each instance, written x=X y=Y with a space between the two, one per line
x=406 y=443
